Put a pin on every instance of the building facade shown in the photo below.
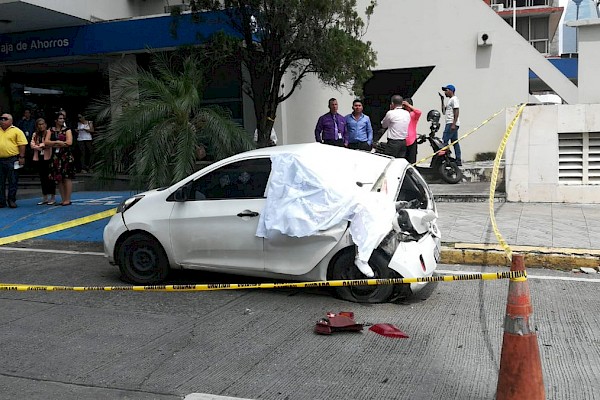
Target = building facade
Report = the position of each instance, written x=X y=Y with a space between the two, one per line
x=536 y=20
x=59 y=53
x=576 y=10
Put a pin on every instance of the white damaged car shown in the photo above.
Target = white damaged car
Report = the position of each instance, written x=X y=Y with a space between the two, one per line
x=302 y=212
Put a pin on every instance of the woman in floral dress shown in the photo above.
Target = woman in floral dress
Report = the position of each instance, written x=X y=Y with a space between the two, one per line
x=62 y=164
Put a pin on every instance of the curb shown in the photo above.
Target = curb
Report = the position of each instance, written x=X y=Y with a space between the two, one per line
x=545 y=257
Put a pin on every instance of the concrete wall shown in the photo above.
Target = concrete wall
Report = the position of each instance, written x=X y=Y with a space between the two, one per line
x=589 y=61
x=532 y=153
x=443 y=34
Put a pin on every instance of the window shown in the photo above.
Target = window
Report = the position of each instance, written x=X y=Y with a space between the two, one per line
x=245 y=179
x=535 y=30
x=579 y=158
x=414 y=188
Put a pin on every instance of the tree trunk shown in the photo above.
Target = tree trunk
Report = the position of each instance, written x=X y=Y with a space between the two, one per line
x=265 y=104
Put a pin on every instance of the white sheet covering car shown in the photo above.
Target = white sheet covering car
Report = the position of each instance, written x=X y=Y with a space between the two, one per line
x=222 y=218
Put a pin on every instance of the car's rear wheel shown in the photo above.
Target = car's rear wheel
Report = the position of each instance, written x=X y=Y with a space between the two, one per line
x=142 y=260
x=344 y=269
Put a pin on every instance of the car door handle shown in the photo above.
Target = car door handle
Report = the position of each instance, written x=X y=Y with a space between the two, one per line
x=248 y=213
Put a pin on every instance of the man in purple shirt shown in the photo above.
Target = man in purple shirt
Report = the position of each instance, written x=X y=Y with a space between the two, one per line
x=331 y=127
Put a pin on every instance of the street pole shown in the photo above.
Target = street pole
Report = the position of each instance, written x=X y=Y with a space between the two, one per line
x=577 y=4
x=515 y=15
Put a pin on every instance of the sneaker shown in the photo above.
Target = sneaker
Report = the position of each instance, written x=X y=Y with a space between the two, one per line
x=12 y=204
x=459 y=162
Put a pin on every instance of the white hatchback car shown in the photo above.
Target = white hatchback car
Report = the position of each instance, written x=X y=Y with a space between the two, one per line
x=209 y=220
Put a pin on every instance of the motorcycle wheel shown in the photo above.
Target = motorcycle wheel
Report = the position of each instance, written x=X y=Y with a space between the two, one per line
x=450 y=172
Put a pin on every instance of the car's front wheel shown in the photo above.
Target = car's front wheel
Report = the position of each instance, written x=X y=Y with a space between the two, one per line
x=344 y=269
x=142 y=260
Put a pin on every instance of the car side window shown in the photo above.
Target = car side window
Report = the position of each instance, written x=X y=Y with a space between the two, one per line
x=246 y=179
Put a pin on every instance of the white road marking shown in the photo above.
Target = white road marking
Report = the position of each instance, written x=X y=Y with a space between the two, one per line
x=529 y=276
x=29 y=250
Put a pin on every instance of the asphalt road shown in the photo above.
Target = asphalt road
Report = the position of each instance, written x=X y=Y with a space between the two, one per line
x=260 y=344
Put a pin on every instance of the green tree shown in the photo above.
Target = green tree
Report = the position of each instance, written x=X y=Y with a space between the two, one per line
x=157 y=120
x=295 y=37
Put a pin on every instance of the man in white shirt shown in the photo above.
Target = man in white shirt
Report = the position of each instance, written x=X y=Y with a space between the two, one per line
x=451 y=111
x=396 y=122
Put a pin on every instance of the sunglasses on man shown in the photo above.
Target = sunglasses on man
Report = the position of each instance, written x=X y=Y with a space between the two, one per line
x=4 y=118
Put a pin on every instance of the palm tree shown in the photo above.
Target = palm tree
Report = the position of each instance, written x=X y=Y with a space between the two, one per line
x=158 y=118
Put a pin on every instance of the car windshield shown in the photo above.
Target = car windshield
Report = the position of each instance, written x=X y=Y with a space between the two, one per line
x=414 y=188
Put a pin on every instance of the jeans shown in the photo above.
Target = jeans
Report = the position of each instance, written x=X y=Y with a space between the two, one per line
x=450 y=136
x=86 y=154
x=7 y=171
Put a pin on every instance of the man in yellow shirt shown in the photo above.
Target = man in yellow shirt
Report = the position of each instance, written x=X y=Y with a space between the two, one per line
x=12 y=156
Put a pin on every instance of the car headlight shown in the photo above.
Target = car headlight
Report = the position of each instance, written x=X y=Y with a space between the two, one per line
x=127 y=204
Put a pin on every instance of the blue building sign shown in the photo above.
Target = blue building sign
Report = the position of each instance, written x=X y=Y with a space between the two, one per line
x=109 y=37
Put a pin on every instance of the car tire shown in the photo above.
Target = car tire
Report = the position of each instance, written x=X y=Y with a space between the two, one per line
x=142 y=260
x=343 y=268
x=450 y=172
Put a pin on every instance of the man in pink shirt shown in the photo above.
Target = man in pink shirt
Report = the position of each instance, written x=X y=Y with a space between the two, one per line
x=411 y=137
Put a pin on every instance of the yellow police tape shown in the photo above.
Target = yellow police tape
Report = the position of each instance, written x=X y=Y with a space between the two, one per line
x=513 y=275
x=494 y=179
x=495 y=170
x=58 y=227
x=462 y=137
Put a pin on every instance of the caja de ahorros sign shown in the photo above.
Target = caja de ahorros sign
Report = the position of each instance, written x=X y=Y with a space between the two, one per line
x=8 y=48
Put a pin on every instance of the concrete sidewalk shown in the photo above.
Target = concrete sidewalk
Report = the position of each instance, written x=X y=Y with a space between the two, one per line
x=555 y=235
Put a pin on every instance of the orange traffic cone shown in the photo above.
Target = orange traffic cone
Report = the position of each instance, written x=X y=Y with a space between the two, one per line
x=520 y=374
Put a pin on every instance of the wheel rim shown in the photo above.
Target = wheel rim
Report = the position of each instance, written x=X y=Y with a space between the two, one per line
x=450 y=171
x=143 y=261
x=359 y=291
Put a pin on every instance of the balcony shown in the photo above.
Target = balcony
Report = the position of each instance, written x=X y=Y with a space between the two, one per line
x=508 y=4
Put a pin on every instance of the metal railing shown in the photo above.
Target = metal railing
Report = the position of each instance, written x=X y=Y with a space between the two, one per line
x=508 y=4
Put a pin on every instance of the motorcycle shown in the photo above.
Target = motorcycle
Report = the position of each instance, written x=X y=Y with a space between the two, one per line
x=442 y=163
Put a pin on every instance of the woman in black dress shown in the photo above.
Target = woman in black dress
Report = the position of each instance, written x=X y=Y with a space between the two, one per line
x=62 y=168
x=41 y=157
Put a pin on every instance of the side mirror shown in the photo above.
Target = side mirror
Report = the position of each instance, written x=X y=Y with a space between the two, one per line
x=182 y=194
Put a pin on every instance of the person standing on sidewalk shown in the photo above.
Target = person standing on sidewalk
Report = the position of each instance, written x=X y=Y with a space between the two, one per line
x=331 y=127
x=85 y=129
x=41 y=158
x=396 y=122
x=62 y=168
x=411 y=137
x=12 y=157
x=451 y=111
x=359 y=128
x=27 y=125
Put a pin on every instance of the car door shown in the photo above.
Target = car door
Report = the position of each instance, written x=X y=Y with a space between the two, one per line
x=298 y=255
x=216 y=226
